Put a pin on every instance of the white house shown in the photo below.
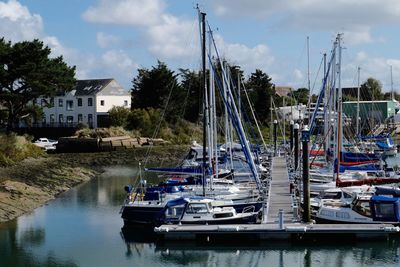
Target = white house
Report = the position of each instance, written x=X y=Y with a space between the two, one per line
x=88 y=103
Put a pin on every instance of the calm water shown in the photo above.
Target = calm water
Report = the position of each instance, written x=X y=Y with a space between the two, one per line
x=83 y=228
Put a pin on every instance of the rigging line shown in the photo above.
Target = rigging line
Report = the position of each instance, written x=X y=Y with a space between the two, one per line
x=312 y=89
x=253 y=114
x=155 y=133
x=276 y=114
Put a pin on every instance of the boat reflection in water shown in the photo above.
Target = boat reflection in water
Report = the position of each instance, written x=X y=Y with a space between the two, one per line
x=231 y=252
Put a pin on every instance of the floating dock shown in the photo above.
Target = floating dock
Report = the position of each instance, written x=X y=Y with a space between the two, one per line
x=280 y=222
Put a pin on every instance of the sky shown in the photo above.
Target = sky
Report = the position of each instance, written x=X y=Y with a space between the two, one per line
x=115 y=38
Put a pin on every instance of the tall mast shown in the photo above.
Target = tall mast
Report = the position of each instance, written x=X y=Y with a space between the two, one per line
x=391 y=81
x=358 y=102
x=308 y=64
x=204 y=84
x=339 y=112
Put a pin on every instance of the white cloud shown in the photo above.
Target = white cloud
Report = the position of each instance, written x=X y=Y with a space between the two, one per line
x=118 y=60
x=17 y=23
x=126 y=12
x=355 y=17
x=249 y=58
x=106 y=40
x=173 y=38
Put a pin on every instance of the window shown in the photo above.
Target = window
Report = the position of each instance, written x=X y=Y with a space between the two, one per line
x=80 y=118
x=43 y=102
x=196 y=208
x=90 y=102
x=52 y=101
x=61 y=118
x=90 y=118
x=125 y=103
x=79 y=102
x=101 y=102
x=60 y=102
x=52 y=118
x=70 y=104
x=70 y=119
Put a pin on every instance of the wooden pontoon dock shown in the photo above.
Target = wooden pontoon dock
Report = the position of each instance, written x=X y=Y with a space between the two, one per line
x=288 y=228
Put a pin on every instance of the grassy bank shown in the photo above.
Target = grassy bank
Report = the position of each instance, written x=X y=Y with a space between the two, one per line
x=28 y=184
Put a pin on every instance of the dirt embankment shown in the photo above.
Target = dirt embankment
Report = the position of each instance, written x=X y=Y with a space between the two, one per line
x=32 y=182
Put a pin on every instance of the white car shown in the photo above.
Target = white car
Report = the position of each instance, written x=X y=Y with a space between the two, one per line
x=46 y=144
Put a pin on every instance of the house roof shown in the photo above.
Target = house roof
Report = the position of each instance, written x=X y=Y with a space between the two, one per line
x=283 y=90
x=98 y=87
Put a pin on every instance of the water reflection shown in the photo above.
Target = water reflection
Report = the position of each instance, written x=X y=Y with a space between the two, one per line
x=235 y=252
x=83 y=228
x=16 y=252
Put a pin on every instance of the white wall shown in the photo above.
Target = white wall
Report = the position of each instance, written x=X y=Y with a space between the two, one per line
x=85 y=110
x=111 y=101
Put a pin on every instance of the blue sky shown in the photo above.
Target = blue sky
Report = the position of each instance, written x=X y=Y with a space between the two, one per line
x=113 y=38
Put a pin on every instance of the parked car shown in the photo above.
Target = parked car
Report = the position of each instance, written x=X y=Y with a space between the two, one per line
x=46 y=144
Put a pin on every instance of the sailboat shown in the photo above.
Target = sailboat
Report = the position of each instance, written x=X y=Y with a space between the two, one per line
x=147 y=206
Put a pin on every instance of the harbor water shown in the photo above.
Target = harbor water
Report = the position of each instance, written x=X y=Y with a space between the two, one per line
x=83 y=228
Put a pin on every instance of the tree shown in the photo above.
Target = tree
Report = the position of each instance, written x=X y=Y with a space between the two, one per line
x=26 y=73
x=118 y=116
x=154 y=88
x=191 y=85
x=371 y=90
x=301 y=95
x=261 y=89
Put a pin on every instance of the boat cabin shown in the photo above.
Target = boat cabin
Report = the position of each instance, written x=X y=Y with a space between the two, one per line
x=385 y=208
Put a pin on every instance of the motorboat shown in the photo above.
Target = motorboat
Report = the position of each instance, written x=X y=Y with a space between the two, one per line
x=205 y=211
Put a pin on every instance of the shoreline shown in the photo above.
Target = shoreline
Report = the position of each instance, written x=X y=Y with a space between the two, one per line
x=31 y=183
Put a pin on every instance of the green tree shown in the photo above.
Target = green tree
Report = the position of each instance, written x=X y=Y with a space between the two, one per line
x=118 y=116
x=154 y=88
x=191 y=85
x=26 y=73
x=301 y=95
x=261 y=89
x=371 y=90
x=144 y=120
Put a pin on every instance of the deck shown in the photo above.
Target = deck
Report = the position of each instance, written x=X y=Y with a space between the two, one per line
x=279 y=193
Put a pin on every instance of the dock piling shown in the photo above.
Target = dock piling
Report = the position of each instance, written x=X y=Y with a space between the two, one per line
x=305 y=137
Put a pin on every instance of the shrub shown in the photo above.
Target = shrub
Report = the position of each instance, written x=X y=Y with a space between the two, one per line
x=118 y=116
x=15 y=148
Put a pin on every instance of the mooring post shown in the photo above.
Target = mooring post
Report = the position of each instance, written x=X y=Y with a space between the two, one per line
x=291 y=136
x=280 y=216
x=275 y=136
x=296 y=146
x=305 y=138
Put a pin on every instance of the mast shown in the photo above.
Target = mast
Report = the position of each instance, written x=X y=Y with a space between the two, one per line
x=339 y=112
x=211 y=139
x=391 y=81
x=204 y=84
x=358 y=102
x=308 y=64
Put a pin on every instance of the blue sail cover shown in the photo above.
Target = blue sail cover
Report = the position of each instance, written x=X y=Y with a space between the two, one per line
x=380 y=190
x=357 y=157
x=385 y=209
x=361 y=167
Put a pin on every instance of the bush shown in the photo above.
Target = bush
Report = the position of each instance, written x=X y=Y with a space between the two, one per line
x=118 y=116
x=15 y=148
x=104 y=132
x=144 y=120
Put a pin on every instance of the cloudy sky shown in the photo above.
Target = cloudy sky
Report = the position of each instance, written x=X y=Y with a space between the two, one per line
x=113 y=38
